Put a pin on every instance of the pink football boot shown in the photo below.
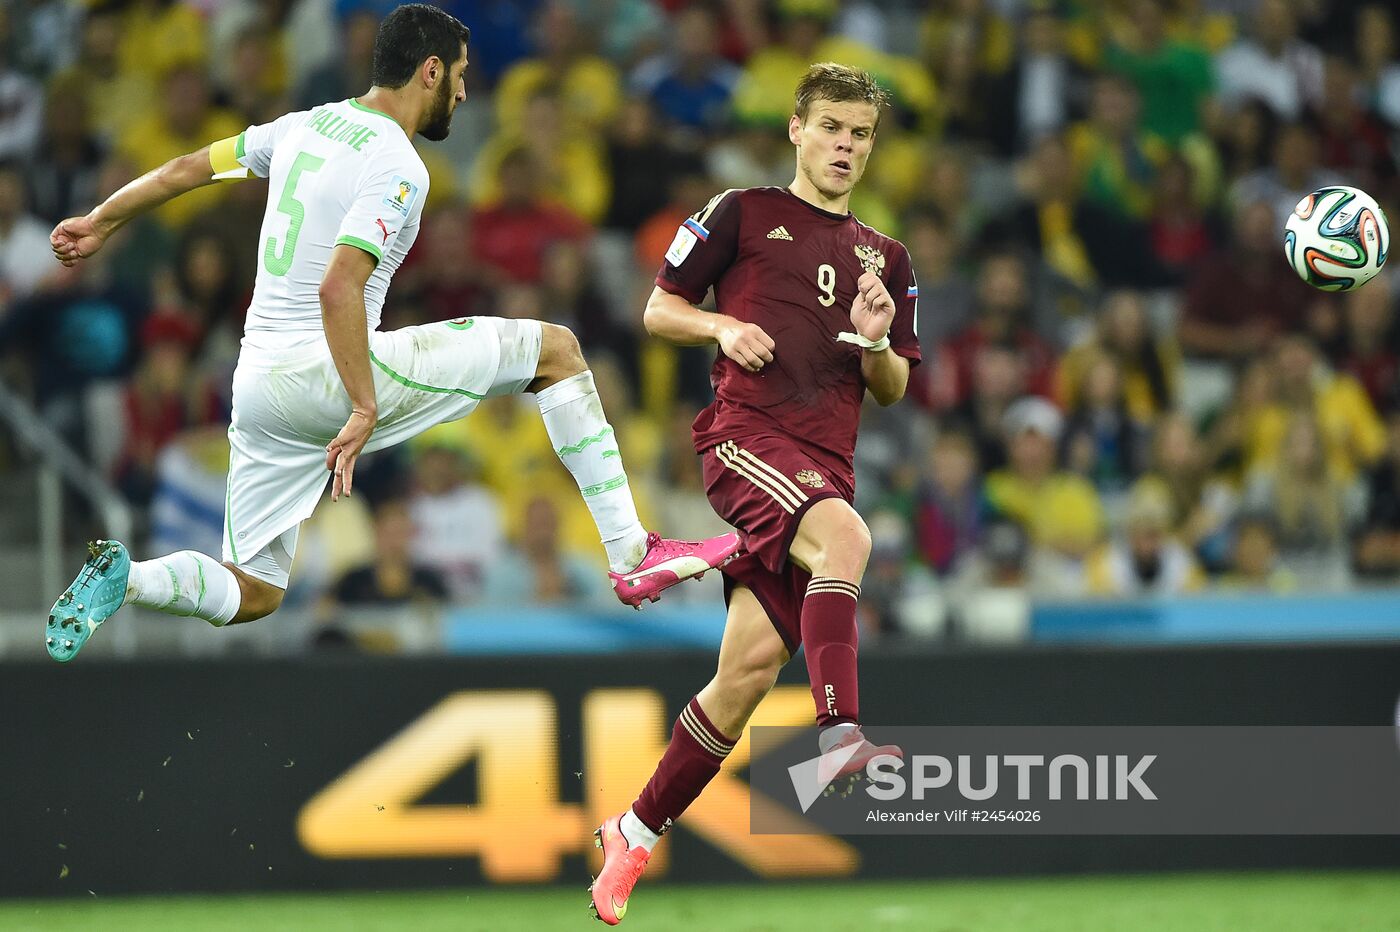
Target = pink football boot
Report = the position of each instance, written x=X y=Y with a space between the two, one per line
x=668 y=562
x=841 y=780
x=621 y=868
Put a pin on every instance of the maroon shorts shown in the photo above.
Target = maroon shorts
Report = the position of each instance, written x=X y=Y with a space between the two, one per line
x=763 y=486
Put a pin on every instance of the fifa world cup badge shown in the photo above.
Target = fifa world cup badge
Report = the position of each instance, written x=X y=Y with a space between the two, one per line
x=871 y=259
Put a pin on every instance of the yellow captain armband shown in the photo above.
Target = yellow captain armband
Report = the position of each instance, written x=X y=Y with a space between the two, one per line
x=223 y=159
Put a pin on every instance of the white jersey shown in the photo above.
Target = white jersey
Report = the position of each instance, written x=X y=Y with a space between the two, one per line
x=338 y=173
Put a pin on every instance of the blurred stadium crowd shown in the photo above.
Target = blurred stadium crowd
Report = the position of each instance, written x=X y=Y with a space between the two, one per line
x=1125 y=391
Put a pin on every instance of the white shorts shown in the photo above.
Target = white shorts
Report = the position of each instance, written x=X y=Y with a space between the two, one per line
x=287 y=405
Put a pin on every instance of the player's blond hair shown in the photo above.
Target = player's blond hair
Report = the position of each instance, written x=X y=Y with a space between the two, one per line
x=829 y=80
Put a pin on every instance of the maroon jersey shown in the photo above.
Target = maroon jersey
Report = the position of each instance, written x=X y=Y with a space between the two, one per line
x=791 y=268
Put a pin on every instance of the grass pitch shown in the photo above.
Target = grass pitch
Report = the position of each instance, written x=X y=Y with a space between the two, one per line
x=1315 y=902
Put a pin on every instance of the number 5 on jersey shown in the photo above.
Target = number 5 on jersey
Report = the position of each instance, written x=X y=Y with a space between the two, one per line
x=276 y=261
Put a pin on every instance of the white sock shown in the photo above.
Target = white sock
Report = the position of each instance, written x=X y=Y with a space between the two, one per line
x=583 y=438
x=832 y=734
x=636 y=832
x=186 y=584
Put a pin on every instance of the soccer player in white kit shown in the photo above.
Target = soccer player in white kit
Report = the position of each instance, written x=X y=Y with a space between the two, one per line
x=317 y=383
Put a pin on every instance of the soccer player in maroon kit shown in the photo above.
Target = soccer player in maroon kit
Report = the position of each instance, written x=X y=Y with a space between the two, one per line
x=815 y=308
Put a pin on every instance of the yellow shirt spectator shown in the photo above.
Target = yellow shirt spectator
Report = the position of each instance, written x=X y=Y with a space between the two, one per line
x=445 y=189
x=1353 y=434
x=182 y=123
x=902 y=175
x=764 y=94
x=993 y=35
x=874 y=210
x=1093 y=26
x=159 y=36
x=1116 y=177
x=1058 y=510
x=589 y=90
x=1138 y=394
x=134 y=89
x=1061 y=511
x=573 y=173
x=1213 y=31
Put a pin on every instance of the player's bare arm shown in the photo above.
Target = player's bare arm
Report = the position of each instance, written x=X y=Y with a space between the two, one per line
x=80 y=237
x=872 y=312
x=347 y=334
x=674 y=319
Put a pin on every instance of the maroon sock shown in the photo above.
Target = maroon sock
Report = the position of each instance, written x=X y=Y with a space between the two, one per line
x=691 y=761
x=829 y=639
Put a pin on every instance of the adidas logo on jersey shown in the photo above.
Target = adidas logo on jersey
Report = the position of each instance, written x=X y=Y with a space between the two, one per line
x=780 y=233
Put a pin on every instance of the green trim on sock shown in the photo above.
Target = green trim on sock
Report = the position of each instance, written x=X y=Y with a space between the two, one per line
x=585 y=442
x=419 y=385
x=610 y=453
x=199 y=567
x=175 y=585
x=614 y=483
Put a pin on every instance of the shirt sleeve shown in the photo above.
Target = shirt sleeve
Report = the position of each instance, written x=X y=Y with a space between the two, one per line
x=255 y=145
x=904 y=289
x=704 y=247
x=388 y=199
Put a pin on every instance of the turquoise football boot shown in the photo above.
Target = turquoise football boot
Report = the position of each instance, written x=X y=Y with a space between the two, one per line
x=93 y=597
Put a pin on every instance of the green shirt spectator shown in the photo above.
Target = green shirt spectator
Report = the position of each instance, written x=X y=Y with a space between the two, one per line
x=1173 y=80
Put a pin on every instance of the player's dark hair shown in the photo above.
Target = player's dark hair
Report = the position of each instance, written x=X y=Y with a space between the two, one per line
x=409 y=36
x=838 y=83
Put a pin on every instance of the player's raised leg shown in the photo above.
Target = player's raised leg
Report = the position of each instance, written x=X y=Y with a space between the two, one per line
x=750 y=657
x=833 y=544
x=186 y=584
x=640 y=564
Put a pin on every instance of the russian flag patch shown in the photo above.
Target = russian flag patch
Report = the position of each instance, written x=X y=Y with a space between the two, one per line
x=913 y=292
x=694 y=226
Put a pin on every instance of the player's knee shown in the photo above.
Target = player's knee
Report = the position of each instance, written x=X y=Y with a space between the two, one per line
x=752 y=676
x=258 y=598
x=560 y=354
x=857 y=536
x=842 y=547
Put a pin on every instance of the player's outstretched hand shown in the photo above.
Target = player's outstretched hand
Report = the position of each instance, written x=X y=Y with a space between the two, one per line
x=344 y=450
x=75 y=238
x=747 y=344
x=872 y=311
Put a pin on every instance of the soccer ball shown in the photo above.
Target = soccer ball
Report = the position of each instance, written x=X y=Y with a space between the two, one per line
x=1336 y=238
